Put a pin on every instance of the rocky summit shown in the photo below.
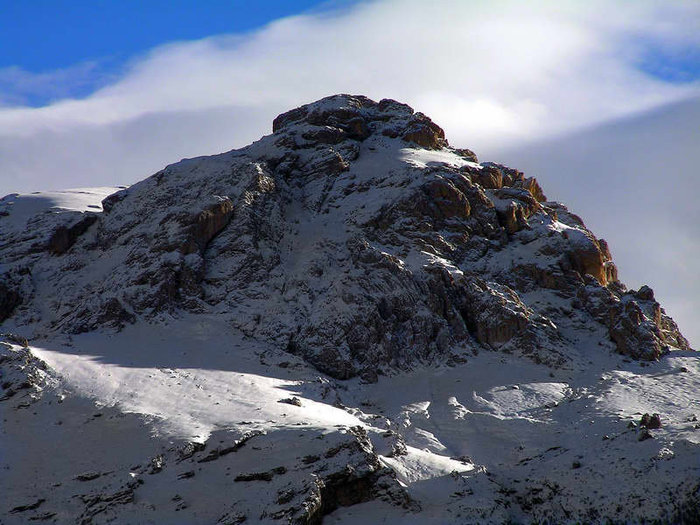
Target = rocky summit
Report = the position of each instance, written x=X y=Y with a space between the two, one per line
x=369 y=324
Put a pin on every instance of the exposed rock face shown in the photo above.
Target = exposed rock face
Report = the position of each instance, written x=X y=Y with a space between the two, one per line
x=23 y=376
x=352 y=236
x=361 y=480
x=636 y=322
x=207 y=224
x=9 y=300
x=64 y=237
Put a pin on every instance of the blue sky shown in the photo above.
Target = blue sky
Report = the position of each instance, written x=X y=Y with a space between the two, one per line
x=40 y=35
x=91 y=40
x=672 y=65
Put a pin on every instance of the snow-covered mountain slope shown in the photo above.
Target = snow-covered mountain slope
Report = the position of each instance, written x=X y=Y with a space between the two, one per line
x=347 y=320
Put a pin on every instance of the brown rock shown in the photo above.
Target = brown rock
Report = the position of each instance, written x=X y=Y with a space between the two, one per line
x=531 y=185
x=488 y=177
x=640 y=329
x=445 y=200
x=587 y=258
x=207 y=224
x=424 y=132
x=513 y=218
x=466 y=154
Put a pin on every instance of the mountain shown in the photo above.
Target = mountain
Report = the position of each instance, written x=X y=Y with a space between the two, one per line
x=348 y=321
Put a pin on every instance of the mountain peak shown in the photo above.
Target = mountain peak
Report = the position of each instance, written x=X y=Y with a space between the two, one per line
x=333 y=119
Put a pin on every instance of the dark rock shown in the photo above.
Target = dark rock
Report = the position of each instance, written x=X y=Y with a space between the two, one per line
x=232 y=518
x=444 y=201
x=64 y=237
x=29 y=506
x=285 y=496
x=189 y=449
x=645 y=294
x=100 y=503
x=357 y=128
x=369 y=375
x=223 y=451
x=291 y=401
x=9 y=300
x=345 y=114
x=651 y=422
x=294 y=115
x=44 y=516
x=390 y=105
x=88 y=476
x=109 y=201
x=261 y=476
x=640 y=329
x=15 y=339
x=156 y=465
x=325 y=135
x=429 y=257
x=644 y=434
x=113 y=313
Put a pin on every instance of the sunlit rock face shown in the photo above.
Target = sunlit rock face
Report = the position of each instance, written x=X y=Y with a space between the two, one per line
x=353 y=236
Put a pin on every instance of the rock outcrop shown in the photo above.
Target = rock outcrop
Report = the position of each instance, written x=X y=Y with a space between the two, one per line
x=22 y=375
